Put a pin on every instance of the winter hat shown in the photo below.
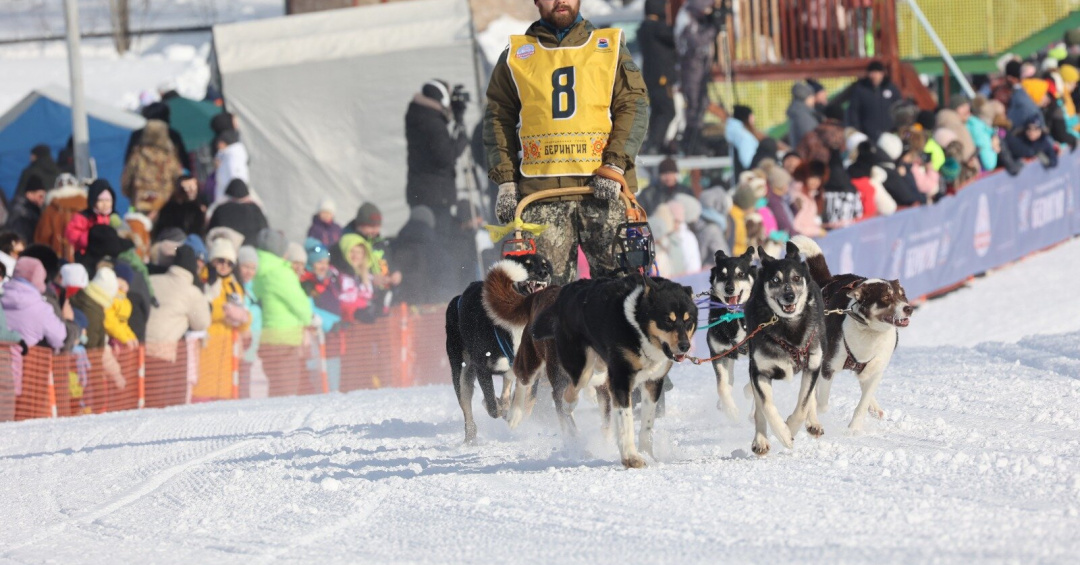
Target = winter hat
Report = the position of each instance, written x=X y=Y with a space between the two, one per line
x=294 y=253
x=221 y=232
x=237 y=189
x=65 y=180
x=105 y=279
x=1048 y=64
x=41 y=151
x=272 y=241
x=690 y=205
x=655 y=7
x=944 y=136
x=316 y=251
x=854 y=140
x=368 y=215
x=834 y=112
x=815 y=85
x=424 y=215
x=171 y=234
x=891 y=145
x=1058 y=52
x=1069 y=73
x=801 y=90
x=1012 y=68
x=327 y=205
x=744 y=197
x=74 y=275
x=437 y=90
x=1036 y=88
x=185 y=259
x=742 y=113
x=30 y=270
x=221 y=123
x=196 y=244
x=777 y=177
x=950 y=169
x=958 y=100
x=34 y=183
x=875 y=65
x=668 y=165
x=124 y=272
x=348 y=241
x=247 y=255
x=222 y=248
x=46 y=255
x=1072 y=37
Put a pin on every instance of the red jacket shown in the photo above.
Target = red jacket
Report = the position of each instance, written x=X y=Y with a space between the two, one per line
x=78 y=229
x=866 y=195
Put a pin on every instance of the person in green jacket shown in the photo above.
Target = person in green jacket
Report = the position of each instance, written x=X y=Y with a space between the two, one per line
x=286 y=313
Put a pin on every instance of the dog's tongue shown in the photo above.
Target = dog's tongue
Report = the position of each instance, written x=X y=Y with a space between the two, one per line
x=733 y=300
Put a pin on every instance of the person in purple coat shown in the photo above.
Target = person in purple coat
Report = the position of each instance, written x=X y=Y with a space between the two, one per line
x=30 y=316
x=323 y=227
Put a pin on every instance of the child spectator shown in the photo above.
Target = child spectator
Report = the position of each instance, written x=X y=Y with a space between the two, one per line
x=119 y=312
x=1029 y=141
x=73 y=277
x=323 y=227
x=297 y=257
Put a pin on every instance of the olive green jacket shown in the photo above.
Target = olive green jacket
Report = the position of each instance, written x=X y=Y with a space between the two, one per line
x=629 y=113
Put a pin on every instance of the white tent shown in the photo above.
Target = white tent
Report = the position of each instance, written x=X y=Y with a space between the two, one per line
x=322 y=97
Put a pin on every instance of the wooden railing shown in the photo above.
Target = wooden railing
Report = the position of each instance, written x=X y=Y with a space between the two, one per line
x=798 y=38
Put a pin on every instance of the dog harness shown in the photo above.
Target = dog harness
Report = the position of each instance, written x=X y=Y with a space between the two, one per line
x=851 y=363
x=800 y=357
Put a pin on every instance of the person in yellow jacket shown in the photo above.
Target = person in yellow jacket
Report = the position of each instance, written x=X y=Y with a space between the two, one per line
x=228 y=320
x=118 y=314
x=566 y=107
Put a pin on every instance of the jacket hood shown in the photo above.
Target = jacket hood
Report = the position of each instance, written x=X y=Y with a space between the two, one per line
x=20 y=295
x=95 y=190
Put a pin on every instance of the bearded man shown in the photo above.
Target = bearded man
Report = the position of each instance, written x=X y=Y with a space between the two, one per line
x=583 y=110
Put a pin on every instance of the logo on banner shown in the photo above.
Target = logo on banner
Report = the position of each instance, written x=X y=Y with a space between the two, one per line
x=897 y=258
x=983 y=232
x=1023 y=207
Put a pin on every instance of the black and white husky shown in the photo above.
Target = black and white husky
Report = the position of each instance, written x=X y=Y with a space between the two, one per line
x=863 y=339
x=636 y=327
x=785 y=292
x=479 y=348
x=730 y=283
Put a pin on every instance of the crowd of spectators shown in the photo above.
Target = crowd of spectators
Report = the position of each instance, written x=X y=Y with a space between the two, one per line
x=868 y=152
x=192 y=258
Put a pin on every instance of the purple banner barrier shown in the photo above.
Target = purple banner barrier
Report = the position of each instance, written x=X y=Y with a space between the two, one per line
x=990 y=222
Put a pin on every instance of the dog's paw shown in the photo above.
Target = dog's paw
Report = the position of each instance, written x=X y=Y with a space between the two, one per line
x=785 y=437
x=856 y=425
x=470 y=435
x=516 y=416
x=760 y=447
x=816 y=430
x=875 y=410
x=634 y=461
x=727 y=406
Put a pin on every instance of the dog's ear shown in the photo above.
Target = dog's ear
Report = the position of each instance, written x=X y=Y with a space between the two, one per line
x=719 y=255
x=764 y=256
x=855 y=294
x=689 y=291
x=793 y=251
x=749 y=255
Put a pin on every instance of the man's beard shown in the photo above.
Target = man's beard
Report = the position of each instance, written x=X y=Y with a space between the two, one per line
x=561 y=20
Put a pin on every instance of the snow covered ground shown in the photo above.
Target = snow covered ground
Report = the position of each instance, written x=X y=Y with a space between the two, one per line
x=976 y=460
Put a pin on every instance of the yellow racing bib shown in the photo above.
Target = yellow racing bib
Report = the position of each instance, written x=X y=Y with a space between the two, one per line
x=565 y=97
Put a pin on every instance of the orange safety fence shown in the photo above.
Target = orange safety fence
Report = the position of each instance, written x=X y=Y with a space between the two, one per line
x=406 y=348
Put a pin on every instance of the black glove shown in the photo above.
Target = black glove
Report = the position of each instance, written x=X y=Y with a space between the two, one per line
x=25 y=348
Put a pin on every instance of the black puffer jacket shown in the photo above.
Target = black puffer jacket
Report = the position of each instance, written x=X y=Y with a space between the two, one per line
x=433 y=151
x=657 y=40
x=870 y=108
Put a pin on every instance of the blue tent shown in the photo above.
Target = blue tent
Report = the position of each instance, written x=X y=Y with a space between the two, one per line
x=44 y=116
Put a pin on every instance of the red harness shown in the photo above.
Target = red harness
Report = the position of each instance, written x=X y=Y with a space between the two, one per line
x=852 y=364
x=800 y=357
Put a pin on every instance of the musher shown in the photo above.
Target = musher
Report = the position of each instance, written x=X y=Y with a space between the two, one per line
x=583 y=110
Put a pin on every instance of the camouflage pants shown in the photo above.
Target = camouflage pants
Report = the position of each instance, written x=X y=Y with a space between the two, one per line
x=590 y=223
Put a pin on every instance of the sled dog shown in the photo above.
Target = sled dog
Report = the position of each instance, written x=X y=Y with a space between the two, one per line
x=730 y=283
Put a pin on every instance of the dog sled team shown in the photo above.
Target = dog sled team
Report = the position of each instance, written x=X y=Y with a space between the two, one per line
x=788 y=315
